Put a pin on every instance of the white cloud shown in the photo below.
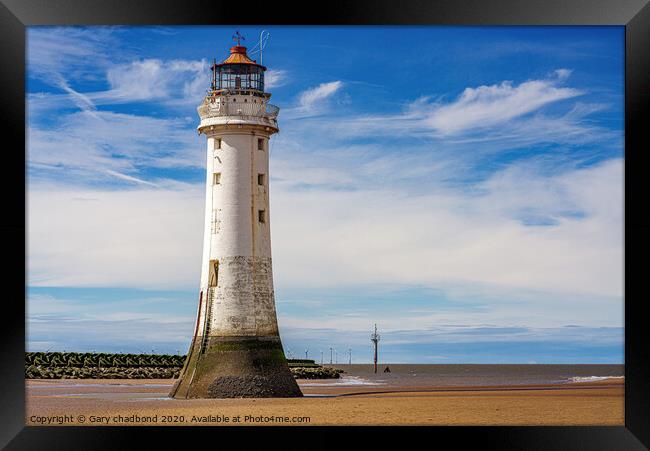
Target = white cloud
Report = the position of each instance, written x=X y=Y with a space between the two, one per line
x=59 y=54
x=309 y=99
x=376 y=235
x=139 y=80
x=313 y=101
x=128 y=238
x=382 y=235
x=153 y=79
x=80 y=100
x=487 y=106
x=275 y=78
x=129 y=178
x=498 y=116
x=89 y=143
x=75 y=51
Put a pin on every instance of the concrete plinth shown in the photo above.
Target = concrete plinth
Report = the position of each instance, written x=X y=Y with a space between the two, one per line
x=236 y=367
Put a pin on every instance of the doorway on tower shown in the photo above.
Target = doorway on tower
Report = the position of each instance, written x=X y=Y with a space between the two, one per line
x=214 y=273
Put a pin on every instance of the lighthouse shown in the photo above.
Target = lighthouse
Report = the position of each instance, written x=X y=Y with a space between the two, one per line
x=236 y=349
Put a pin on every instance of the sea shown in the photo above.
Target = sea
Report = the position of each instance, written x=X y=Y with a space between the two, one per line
x=463 y=375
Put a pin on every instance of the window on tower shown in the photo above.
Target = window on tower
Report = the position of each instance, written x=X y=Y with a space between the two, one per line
x=260 y=143
x=217 y=143
x=260 y=179
x=216 y=178
x=261 y=216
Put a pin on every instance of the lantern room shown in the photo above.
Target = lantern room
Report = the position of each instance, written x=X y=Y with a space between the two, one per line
x=238 y=74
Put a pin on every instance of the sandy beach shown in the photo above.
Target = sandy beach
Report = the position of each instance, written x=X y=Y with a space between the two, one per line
x=95 y=402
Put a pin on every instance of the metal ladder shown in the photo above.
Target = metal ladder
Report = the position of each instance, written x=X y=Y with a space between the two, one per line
x=208 y=320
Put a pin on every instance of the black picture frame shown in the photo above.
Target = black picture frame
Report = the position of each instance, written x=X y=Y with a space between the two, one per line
x=15 y=15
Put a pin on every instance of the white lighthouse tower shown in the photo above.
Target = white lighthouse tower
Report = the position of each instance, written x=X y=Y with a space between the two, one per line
x=236 y=350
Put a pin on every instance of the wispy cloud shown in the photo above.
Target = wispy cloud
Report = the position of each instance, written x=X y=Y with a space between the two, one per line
x=82 y=101
x=520 y=228
x=563 y=73
x=130 y=178
x=506 y=114
x=488 y=106
x=313 y=101
x=154 y=79
x=74 y=51
x=532 y=231
x=309 y=99
x=57 y=55
x=143 y=237
x=86 y=141
x=274 y=78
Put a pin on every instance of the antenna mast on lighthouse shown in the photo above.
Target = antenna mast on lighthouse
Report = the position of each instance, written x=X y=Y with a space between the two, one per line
x=263 y=39
x=375 y=341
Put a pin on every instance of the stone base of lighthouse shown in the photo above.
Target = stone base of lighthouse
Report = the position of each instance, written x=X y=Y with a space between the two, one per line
x=236 y=367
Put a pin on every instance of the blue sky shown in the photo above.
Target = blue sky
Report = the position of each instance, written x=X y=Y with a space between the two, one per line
x=462 y=187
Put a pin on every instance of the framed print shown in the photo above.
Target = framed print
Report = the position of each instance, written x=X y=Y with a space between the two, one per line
x=250 y=215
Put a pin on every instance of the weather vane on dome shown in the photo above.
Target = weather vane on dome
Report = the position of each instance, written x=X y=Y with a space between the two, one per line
x=238 y=37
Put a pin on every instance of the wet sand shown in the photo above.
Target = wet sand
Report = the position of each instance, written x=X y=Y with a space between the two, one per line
x=95 y=402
